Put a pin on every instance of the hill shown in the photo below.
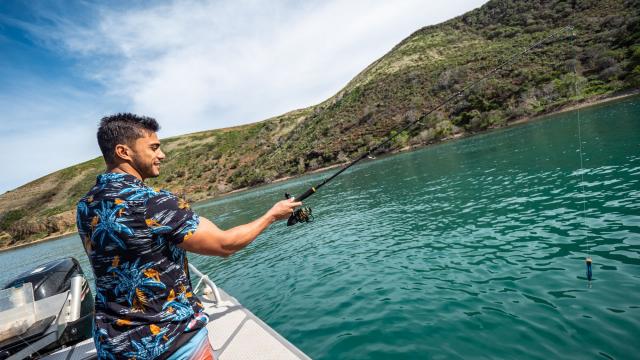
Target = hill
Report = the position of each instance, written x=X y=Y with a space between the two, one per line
x=429 y=65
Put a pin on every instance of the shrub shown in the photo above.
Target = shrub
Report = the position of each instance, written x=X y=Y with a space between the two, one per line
x=604 y=62
x=634 y=77
x=11 y=217
x=612 y=72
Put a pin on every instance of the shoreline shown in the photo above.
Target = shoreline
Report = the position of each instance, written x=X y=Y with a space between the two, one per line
x=44 y=239
x=593 y=101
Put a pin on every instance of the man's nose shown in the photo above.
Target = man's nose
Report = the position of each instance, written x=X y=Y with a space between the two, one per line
x=160 y=155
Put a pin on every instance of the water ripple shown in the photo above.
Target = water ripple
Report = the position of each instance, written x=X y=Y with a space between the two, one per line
x=473 y=248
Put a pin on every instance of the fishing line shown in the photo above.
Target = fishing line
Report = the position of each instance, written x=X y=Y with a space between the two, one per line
x=304 y=214
x=588 y=261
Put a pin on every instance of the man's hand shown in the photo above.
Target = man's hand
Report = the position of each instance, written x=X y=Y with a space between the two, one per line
x=283 y=209
x=210 y=240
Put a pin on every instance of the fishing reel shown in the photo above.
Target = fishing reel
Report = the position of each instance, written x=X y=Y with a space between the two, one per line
x=300 y=215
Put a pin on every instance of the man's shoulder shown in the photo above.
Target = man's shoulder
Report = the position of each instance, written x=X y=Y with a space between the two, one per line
x=165 y=203
x=87 y=199
x=164 y=197
x=161 y=192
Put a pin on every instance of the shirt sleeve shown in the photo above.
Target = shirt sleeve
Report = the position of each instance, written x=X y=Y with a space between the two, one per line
x=171 y=217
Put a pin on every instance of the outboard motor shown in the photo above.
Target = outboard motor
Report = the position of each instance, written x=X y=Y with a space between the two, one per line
x=45 y=309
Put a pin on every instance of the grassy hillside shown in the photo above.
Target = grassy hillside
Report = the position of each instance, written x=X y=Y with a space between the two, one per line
x=423 y=69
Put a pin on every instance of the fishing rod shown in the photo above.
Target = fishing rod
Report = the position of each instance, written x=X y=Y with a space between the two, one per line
x=304 y=214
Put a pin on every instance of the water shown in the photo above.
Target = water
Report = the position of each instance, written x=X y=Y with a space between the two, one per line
x=470 y=249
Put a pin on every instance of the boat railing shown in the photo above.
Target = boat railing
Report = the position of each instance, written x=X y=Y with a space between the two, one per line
x=209 y=287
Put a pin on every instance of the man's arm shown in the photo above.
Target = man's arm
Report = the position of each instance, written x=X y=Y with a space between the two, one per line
x=208 y=239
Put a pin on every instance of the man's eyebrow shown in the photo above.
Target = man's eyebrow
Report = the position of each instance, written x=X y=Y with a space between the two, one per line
x=155 y=144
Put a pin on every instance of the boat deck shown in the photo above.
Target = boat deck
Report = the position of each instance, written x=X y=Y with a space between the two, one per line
x=234 y=332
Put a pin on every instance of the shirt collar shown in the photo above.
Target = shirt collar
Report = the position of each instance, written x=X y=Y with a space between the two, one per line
x=118 y=177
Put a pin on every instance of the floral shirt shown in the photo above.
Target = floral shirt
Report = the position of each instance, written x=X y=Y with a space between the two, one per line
x=144 y=305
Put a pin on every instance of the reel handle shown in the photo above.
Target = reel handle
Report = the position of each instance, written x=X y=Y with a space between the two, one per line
x=292 y=218
x=302 y=214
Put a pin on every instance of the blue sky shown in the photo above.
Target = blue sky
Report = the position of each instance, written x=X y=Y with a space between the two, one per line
x=193 y=65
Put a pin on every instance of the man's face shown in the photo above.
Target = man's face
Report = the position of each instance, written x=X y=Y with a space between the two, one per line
x=147 y=155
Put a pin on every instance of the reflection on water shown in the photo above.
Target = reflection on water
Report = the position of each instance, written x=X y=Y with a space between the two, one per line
x=474 y=248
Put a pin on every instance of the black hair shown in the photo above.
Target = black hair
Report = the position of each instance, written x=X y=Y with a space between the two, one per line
x=122 y=128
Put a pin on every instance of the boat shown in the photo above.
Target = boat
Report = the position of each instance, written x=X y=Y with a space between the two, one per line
x=59 y=300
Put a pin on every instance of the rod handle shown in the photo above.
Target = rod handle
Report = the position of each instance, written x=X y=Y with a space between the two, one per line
x=306 y=194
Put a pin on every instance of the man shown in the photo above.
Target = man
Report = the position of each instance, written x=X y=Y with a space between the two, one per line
x=136 y=237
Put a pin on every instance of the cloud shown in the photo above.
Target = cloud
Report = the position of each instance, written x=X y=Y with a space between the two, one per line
x=200 y=65
x=194 y=65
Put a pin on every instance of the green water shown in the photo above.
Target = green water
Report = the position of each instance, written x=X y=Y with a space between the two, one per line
x=470 y=249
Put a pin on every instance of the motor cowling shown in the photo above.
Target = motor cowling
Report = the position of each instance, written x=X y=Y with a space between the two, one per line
x=49 y=279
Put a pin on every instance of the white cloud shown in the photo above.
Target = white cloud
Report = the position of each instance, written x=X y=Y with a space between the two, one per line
x=201 y=65
x=197 y=65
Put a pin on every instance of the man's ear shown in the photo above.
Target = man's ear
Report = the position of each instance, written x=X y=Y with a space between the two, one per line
x=123 y=152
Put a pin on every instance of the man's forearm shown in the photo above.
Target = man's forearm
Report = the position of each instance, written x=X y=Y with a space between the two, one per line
x=242 y=235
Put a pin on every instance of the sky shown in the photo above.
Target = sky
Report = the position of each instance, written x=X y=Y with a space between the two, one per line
x=192 y=65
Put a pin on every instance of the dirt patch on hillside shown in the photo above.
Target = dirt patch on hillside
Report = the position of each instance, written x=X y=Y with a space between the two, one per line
x=18 y=198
